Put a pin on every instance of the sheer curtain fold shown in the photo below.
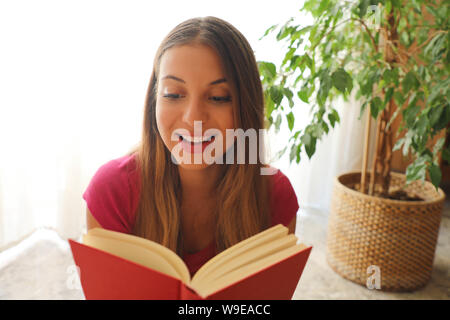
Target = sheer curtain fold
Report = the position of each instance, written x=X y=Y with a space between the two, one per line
x=41 y=185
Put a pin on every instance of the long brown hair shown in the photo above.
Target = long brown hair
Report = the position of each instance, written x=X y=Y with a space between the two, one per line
x=242 y=192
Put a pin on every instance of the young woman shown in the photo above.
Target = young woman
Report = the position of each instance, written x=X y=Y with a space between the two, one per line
x=204 y=71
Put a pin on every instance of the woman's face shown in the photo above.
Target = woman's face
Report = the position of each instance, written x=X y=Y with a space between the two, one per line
x=194 y=102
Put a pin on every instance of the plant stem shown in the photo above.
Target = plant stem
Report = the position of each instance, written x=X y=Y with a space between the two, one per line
x=369 y=33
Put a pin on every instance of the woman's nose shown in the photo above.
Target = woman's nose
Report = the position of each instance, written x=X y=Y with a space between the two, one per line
x=194 y=111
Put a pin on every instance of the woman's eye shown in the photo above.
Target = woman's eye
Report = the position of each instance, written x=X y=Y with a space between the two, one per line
x=216 y=99
x=172 y=95
x=221 y=99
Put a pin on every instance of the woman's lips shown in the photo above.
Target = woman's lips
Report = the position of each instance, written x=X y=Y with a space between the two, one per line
x=197 y=147
x=195 y=139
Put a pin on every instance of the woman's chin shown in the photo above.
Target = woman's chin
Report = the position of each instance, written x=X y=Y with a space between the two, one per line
x=194 y=166
x=193 y=161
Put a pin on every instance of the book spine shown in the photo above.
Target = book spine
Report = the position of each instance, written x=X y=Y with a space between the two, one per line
x=187 y=293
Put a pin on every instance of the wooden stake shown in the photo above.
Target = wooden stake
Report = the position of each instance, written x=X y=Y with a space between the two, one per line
x=366 y=152
x=375 y=157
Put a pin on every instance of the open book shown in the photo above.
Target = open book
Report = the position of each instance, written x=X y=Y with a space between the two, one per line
x=115 y=265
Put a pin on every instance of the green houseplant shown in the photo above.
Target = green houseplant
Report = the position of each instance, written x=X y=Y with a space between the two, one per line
x=394 y=56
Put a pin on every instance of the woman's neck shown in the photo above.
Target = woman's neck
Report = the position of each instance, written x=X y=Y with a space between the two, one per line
x=199 y=184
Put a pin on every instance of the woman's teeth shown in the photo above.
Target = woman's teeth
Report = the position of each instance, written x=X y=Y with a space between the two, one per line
x=196 y=139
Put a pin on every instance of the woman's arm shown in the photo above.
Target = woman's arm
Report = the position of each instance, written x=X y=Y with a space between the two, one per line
x=90 y=220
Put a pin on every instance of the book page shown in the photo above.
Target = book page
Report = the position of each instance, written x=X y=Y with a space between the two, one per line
x=139 y=250
x=250 y=256
x=241 y=273
x=231 y=253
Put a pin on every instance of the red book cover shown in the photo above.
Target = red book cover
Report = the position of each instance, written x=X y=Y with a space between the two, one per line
x=104 y=276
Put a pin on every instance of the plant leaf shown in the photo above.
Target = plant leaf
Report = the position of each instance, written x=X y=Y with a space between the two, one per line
x=276 y=94
x=435 y=175
x=341 y=79
x=270 y=29
x=303 y=95
x=376 y=106
x=290 y=118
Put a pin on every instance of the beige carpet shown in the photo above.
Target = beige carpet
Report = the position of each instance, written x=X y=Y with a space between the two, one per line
x=41 y=267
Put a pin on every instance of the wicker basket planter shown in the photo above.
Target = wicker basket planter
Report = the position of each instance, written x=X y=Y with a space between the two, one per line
x=397 y=236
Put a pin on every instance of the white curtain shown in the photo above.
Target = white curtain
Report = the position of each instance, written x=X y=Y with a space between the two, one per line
x=73 y=76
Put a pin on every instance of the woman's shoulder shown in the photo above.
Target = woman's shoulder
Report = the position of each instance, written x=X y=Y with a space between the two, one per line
x=284 y=202
x=117 y=172
x=117 y=167
x=112 y=193
x=278 y=178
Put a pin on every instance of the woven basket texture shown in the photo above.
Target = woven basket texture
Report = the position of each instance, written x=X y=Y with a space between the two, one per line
x=397 y=236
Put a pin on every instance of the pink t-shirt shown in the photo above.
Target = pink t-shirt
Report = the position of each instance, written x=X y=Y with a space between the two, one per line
x=112 y=197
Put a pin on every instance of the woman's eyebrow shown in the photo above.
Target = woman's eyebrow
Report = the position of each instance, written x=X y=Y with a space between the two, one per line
x=181 y=80
x=218 y=81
